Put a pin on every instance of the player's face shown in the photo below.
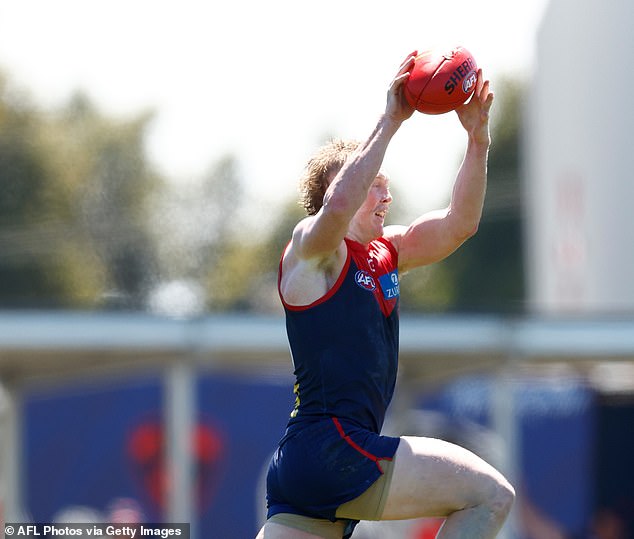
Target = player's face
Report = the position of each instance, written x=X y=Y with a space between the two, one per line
x=367 y=223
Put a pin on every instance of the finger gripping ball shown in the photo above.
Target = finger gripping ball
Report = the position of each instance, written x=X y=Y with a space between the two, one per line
x=441 y=81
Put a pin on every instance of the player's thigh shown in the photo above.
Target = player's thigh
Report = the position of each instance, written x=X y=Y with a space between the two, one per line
x=435 y=478
x=291 y=526
x=272 y=530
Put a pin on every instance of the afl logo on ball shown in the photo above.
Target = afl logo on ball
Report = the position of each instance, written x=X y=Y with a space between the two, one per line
x=365 y=280
x=469 y=82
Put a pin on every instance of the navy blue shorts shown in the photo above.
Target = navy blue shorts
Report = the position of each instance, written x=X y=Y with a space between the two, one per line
x=322 y=464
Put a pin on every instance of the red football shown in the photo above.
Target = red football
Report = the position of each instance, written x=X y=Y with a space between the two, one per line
x=441 y=82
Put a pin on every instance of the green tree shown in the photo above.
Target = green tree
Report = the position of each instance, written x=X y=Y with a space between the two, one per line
x=26 y=261
x=72 y=206
x=250 y=263
x=196 y=229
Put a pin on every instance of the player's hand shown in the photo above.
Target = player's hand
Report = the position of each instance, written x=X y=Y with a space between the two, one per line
x=397 y=106
x=474 y=115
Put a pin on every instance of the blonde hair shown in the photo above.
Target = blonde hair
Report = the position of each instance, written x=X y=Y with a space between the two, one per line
x=320 y=170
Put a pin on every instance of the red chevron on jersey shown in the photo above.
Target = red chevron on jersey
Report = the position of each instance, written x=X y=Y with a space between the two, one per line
x=377 y=270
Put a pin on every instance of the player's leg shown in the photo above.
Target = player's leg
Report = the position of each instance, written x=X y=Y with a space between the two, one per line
x=278 y=531
x=436 y=478
x=288 y=526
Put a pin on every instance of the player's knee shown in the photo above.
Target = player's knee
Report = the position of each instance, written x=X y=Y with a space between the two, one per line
x=502 y=499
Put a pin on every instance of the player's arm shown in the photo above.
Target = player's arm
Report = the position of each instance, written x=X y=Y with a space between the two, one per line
x=320 y=235
x=439 y=233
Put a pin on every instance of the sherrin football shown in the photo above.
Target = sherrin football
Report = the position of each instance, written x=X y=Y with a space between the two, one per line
x=441 y=81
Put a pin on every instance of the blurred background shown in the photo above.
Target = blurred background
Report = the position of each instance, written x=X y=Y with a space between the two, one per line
x=149 y=154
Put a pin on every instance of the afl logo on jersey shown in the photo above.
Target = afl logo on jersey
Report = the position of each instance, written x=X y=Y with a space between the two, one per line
x=365 y=280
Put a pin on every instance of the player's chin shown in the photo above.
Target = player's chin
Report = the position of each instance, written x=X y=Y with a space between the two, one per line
x=378 y=230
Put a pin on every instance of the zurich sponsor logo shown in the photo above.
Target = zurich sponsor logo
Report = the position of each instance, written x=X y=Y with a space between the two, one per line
x=389 y=285
x=365 y=280
x=469 y=81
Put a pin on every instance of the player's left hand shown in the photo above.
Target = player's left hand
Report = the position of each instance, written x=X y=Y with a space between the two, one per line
x=474 y=115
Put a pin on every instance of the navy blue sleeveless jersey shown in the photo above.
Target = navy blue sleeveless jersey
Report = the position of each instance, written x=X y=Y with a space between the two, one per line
x=345 y=352
x=345 y=344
